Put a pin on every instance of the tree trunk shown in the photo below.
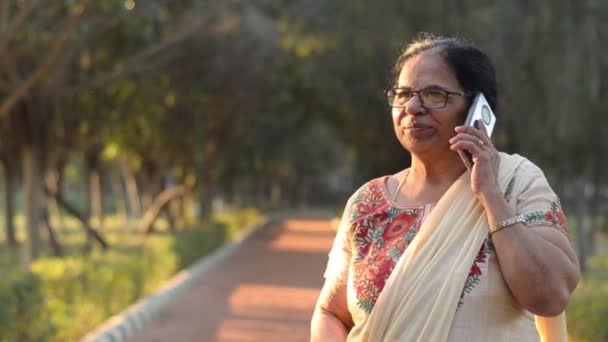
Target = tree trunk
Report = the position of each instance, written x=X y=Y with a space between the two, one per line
x=94 y=189
x=579 y=218
x=6 y=176
x=594 y=200
x=131 y=187
x=170 y=218
x=96 y=196
x=152 y=187
x=204 y=200
x=147 y=197
x=120 y=196
x=275 y=193
x=596 y=168
x=52 y=180
x=32 y=186
x=55 y=246
x=174 y=213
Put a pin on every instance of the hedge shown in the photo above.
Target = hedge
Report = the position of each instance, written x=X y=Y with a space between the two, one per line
x=62 y=299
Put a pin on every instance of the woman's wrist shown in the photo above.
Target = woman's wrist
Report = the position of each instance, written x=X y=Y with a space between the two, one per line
x=489 y=195
x=495 y=205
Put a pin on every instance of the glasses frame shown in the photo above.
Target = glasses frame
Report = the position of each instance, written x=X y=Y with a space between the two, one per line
x=447 y=93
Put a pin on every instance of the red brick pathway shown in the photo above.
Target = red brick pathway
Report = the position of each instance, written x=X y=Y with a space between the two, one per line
x=266 y=291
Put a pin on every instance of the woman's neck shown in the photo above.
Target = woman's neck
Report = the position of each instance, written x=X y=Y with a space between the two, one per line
x=428 y=179
x=436 y=171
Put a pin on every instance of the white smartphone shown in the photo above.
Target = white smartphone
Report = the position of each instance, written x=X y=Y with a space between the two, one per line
x=479 y=110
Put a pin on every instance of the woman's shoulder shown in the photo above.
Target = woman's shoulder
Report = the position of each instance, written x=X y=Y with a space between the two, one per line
x=371 y=188
x=535 y=199
x=525 y=170
x=528 y=171
x=527 y=181
x=368 y=198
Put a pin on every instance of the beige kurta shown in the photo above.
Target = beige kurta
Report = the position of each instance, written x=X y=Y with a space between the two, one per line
x=375 y=232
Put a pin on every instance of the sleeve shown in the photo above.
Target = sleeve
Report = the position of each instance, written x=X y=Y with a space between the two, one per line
x=340 y=254
x=537 y=201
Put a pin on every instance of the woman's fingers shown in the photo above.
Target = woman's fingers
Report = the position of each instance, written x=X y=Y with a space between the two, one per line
x=483 y=129
x=474 y=140
x=480 y=133
x=468 y=145
x=467 y=137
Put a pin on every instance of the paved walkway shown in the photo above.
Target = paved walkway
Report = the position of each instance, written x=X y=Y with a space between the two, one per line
x=266 y=291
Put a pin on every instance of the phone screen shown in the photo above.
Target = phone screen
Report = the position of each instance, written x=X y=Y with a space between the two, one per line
x=480 y=110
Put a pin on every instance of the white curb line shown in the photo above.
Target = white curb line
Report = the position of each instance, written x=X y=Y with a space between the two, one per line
x=122 y=326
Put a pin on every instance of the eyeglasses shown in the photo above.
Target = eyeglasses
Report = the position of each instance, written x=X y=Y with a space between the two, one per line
x=430 y=98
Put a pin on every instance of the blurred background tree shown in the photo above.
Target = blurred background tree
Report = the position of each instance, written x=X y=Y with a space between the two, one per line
x=138 y=96
x=179 y=108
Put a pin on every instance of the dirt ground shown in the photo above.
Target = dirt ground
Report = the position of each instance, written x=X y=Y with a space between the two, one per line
x=266 y=291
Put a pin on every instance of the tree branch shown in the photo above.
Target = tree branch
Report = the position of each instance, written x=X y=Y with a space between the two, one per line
x=159 y=203
x=136 y=64
x=11 y=28
x=74 y=212
x=4 y=14
x=36 y=76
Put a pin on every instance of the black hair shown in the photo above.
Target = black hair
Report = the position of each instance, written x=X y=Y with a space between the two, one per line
x=471 y=66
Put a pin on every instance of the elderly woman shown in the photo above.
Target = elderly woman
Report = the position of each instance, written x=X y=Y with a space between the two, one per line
x=439 y=253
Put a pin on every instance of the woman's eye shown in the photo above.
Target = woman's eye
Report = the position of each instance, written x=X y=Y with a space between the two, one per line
x=404 y=94
x=435 y=95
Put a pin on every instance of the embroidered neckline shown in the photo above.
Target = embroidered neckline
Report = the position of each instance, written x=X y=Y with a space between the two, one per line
x=384 y=190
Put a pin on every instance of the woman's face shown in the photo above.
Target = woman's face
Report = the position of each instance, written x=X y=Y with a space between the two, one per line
x=421 y=130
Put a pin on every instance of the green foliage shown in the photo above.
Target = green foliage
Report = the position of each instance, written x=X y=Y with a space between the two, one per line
x=190 y=244
x=62 y=299
x=588 y=310
x=588 y=306
x=22 y=305
x=81 y=292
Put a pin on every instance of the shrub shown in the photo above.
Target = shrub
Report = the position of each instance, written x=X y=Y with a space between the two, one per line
x=21 y=308
x=82 y=292
x=588 y=311
x=189 y=245
x=62 y=299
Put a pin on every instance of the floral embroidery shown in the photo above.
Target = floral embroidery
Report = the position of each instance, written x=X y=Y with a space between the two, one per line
x=474 y=276
x=509 y=189
x=556 y=215
x=380 y=235
x=368 y=200
x=378 y=257
x=552 y=216
x=398 y=227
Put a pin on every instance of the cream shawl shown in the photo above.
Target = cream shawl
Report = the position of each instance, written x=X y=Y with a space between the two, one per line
x=421 y=295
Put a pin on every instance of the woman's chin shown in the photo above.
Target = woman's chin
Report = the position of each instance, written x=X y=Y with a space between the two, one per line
x=417 y=144
x=428 y=149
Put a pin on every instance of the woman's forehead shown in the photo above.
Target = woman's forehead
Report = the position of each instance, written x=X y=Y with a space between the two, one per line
x=427 y=69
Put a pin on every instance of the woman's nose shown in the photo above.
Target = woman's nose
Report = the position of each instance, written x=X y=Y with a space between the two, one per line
x=414 y=106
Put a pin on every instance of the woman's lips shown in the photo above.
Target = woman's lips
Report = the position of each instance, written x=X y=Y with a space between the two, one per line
x=415 y=128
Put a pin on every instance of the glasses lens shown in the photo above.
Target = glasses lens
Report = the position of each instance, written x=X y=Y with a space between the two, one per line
x=398 y=98
x=433 y=98
x=390 y=95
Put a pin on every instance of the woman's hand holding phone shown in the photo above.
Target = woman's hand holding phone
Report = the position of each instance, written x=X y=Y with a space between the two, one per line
x=485 y=158
x=472 y=141
x=480 y=114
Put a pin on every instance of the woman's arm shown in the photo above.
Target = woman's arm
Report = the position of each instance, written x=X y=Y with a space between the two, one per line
x=331 y=320
x=538 y=264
